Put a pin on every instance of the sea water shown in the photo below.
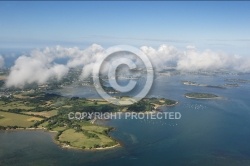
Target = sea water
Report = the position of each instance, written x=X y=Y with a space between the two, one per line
x=210 y=132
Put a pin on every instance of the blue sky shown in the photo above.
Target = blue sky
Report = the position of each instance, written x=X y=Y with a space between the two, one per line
x=215 y=25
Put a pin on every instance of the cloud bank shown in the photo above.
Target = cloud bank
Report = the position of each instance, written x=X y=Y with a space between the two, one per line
x=1 y=62
x=41 y=65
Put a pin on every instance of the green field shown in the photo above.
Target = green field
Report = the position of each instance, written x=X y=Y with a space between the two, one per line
x=43 y=125
x=46 y=114
x=58 y=128
x=15 y=105
x=80 y=140
x=12 y=119
x=97 y=129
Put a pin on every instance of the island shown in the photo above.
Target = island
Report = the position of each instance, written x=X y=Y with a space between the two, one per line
x=191 y=83
x=200 y=96
x=236 y=80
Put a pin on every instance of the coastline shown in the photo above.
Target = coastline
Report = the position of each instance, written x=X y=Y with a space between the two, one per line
x=62 y=145
x=158 y=106
x=209 y=98
x=100 y=145
x=173 y=104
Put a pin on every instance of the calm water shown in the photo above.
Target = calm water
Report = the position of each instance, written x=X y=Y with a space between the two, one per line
x=210 y=132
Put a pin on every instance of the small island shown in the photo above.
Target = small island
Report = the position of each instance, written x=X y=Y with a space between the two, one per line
x=200 y=96
x=191 y=83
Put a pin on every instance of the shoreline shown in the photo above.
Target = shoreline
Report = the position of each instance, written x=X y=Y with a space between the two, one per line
x=158 y=106
x=173 y=104
x=202 y=98
x=62 y=145
x=99 y=144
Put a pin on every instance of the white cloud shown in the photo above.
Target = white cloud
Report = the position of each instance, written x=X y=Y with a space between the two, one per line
x=40 y=65
x=191 y=59
x=162 y=56
x=87 y=56
x=1 y=62
x=35 y=69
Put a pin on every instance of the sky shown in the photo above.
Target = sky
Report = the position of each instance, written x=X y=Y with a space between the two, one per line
x=207 y=25
x=189 y=36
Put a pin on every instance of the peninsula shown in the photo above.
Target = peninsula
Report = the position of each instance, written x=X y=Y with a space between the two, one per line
x=40 y=110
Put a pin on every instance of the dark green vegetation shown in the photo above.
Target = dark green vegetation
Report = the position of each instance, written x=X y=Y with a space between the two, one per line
x=200 y=95
x=150 y=104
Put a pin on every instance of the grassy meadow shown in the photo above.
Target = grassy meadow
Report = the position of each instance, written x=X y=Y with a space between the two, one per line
x=12 y=119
